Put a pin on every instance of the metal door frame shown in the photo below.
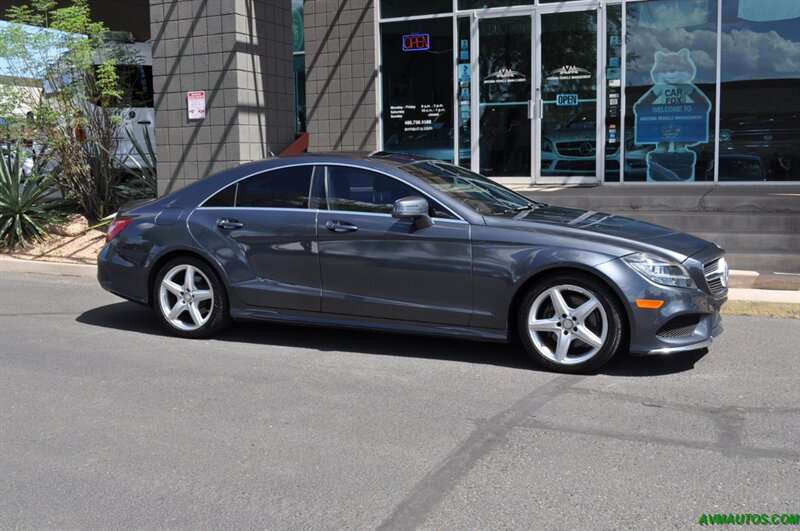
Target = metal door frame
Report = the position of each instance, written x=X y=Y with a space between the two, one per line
x=529 y=11
x=600 y=107
x=535 y=104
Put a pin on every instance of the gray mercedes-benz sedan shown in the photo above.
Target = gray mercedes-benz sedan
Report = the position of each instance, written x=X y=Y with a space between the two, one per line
x=398 y=243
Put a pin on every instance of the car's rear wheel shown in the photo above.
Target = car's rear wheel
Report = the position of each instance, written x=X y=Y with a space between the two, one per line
x=570 y=323
x=190 y=299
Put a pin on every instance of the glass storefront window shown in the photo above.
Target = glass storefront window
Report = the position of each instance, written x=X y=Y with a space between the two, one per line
x=463 y=82
x=504 y=74
x=298 y=49
x=759 y=137
x=613 y=125
x=669 y=68
x=670 y=90
x=569 y=94
x=300 y=92
x=418 y=87
x=410 y=8
x=298 y=36
x=483 y=4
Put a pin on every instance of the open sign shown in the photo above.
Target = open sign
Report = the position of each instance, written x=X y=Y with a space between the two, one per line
x=566 y=99
x=416 y=42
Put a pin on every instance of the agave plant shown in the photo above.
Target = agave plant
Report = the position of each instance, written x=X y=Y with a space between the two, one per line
x=25 y=208
x=139 y=163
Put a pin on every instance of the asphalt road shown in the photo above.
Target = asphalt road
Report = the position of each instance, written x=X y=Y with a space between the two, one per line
x=105 y=422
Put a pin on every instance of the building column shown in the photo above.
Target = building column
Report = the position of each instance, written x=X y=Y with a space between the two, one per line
x=240 y=53
x=341 y=75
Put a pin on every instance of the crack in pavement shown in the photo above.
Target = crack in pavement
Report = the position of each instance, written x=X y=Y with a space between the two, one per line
x=431 y=490
x=412 y=511
x=678 y=406
x=729 y=422
x=727 y=449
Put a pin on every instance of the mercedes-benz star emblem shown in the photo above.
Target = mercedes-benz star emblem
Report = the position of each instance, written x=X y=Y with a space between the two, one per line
x=586 y=149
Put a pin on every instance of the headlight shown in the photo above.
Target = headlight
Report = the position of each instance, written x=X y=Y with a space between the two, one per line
x=659 y=270
x=547 y=146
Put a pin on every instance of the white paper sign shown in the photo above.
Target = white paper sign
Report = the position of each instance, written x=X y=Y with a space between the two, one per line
x=196 y=101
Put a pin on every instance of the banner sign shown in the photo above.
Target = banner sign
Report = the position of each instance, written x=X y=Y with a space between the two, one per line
x=672 y=123
x=672 y=116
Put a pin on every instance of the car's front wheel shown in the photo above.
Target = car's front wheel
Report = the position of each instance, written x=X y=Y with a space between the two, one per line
x=570 y=323
x=190 y=299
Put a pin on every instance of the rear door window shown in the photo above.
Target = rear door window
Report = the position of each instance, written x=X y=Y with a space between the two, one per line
x=223 y=198
x=282 y=188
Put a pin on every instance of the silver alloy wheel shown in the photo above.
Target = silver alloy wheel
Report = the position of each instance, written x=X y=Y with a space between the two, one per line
x=567 y=333
x=186 y=297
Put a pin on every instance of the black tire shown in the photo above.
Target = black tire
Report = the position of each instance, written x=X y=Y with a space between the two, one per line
x=542 y=345
x=215 y=313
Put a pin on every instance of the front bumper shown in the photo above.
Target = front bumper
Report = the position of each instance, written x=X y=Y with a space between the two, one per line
x=688 y=320
x=716 y=331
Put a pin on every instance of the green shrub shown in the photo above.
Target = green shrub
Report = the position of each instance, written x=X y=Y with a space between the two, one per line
x=25 y=208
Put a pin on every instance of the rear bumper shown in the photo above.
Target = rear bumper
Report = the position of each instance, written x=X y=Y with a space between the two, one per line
x=121 y=275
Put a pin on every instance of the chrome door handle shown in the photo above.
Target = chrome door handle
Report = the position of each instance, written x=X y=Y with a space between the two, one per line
x=229 y=224
x=338 y=226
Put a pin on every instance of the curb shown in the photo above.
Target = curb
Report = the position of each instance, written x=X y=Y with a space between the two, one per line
x=15 y=265
x=764 y=281
x=764 y=295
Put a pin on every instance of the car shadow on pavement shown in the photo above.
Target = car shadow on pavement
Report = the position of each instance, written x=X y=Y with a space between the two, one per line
x=655 y=365
x=131 y=317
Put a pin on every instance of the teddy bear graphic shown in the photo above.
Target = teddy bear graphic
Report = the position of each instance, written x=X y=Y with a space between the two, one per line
x=672 y=115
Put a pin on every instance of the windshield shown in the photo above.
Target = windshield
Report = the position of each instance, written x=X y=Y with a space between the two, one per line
x=474 y=190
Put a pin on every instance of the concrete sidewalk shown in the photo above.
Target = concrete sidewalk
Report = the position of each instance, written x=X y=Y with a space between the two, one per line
x=790 y=296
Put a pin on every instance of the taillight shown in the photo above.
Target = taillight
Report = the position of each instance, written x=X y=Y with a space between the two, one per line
x=116 y=227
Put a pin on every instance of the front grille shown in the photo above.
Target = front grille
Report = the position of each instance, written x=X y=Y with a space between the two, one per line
x=681 y=326
x=716 y=273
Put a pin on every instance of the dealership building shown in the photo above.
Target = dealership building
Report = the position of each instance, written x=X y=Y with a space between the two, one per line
x=536 y=91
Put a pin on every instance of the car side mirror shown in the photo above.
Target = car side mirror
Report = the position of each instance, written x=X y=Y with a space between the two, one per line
x=414 y=207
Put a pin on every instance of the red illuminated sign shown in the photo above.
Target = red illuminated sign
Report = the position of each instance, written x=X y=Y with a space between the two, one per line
x=416 y=42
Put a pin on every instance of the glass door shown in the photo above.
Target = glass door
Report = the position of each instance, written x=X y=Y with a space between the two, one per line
x=501 y=84
x=566 y=95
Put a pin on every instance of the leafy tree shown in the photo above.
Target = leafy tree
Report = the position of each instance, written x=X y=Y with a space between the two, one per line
x=63 y=93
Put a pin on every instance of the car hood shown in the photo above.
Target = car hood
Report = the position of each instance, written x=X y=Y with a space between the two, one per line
x=625 y=234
